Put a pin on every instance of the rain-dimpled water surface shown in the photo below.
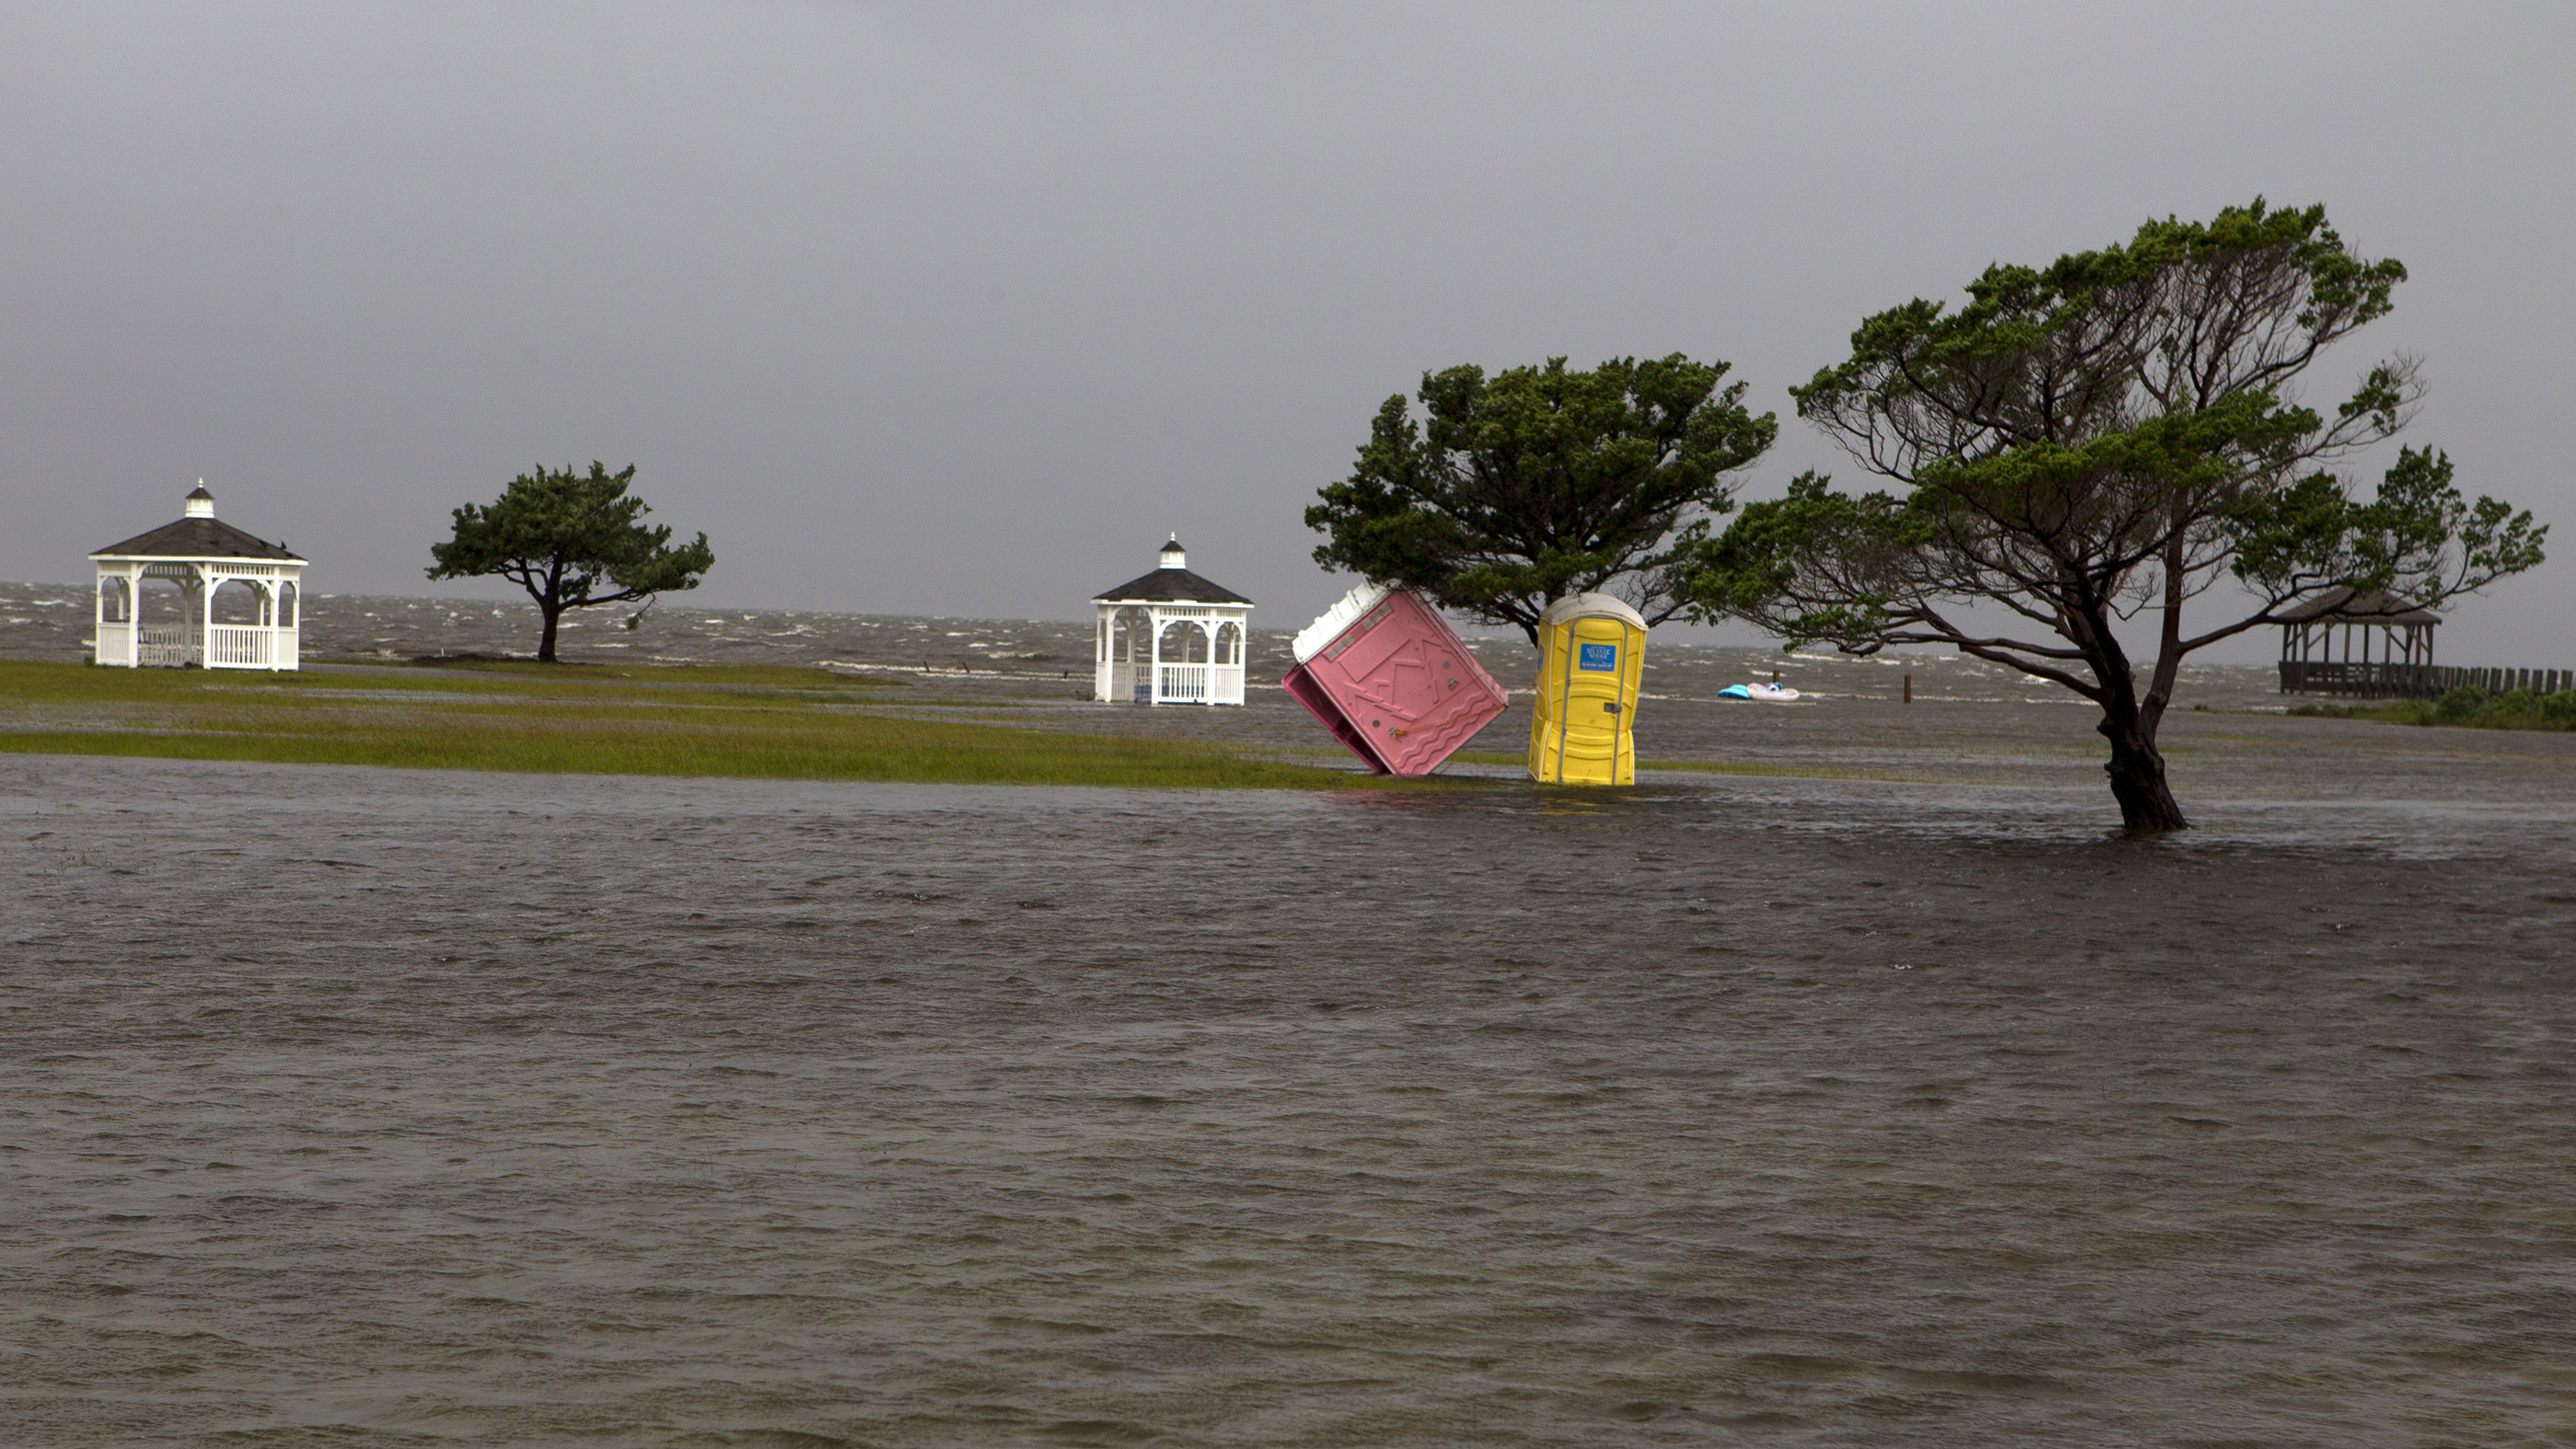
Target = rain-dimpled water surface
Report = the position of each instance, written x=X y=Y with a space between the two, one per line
x=1896 y=1101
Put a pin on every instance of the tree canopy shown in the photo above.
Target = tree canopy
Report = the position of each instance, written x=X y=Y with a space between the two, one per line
x=562 y=537
x=1516 y=490
x=2112 y=435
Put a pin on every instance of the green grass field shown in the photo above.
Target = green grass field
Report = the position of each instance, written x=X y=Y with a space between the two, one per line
x=765 y=722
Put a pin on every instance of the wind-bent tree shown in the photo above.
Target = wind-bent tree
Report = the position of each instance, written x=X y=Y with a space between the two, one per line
x=2109 y=436
x=1539 y=482
x=560 y=536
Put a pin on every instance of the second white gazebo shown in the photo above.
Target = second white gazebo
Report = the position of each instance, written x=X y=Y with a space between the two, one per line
x=1171 y=637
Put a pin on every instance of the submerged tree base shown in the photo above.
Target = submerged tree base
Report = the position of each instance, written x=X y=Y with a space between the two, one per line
x=2137 y=771
x=762 y=722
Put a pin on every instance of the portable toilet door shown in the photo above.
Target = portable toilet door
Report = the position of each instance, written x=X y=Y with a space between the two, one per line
x=1591 y=661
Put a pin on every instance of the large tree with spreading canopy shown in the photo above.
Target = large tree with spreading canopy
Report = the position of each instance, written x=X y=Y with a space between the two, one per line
x=1515 y=490
x=572 y=542
x=2092 y=446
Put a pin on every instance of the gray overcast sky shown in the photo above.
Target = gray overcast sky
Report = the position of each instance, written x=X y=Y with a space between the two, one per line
x=959 y=309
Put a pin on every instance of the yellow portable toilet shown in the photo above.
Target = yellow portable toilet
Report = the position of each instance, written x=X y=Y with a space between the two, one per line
x=1591 y=658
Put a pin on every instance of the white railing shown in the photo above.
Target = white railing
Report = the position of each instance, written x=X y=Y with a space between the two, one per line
x=1203 y=683
x=115 y=643
x=167 y=644
x=237 y=646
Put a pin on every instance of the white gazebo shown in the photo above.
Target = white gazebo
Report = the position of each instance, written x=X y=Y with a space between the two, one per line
x=237 y=597
x=1171 y=637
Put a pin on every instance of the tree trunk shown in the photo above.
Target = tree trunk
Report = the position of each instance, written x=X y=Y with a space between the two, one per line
x=2137 y=772
x=546 y=645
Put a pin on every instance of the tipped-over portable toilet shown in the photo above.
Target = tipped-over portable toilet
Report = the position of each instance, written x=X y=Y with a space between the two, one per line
x=1591 y=659
x=1388 y=676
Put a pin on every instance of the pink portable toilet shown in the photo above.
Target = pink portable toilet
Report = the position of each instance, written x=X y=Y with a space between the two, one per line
x=1387 y=675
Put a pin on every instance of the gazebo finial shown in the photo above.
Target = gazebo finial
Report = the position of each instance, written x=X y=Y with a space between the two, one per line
x=1175 y=556
x=201 y=504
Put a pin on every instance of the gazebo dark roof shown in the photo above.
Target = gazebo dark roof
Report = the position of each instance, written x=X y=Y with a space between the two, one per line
x=2351 y=606
x=195 y=538
x=1169 y=586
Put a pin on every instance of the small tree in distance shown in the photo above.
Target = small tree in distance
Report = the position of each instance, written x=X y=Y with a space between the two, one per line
x=560 y=536
x=1539 y=482
x=2109 y=436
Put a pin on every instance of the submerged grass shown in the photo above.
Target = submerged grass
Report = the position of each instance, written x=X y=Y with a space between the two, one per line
x=671 y=724
x=1711 y=767
x=1770 y=771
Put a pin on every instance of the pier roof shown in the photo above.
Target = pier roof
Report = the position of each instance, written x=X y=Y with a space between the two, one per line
x=2353 y=606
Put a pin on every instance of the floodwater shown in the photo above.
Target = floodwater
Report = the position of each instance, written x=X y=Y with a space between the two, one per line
x=1900 y=1101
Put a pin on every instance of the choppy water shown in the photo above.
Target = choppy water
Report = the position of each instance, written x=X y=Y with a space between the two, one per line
x=357 y=1106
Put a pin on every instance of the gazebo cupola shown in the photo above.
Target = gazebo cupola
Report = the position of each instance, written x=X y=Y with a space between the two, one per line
x=1171 y=637
x=225 y=600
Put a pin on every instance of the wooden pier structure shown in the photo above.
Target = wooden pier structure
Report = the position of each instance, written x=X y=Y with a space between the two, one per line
x=2379 y=646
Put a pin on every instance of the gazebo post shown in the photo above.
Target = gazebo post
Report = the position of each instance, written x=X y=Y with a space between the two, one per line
x=1154 y=627
x=99 y=621
x=204 y=615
